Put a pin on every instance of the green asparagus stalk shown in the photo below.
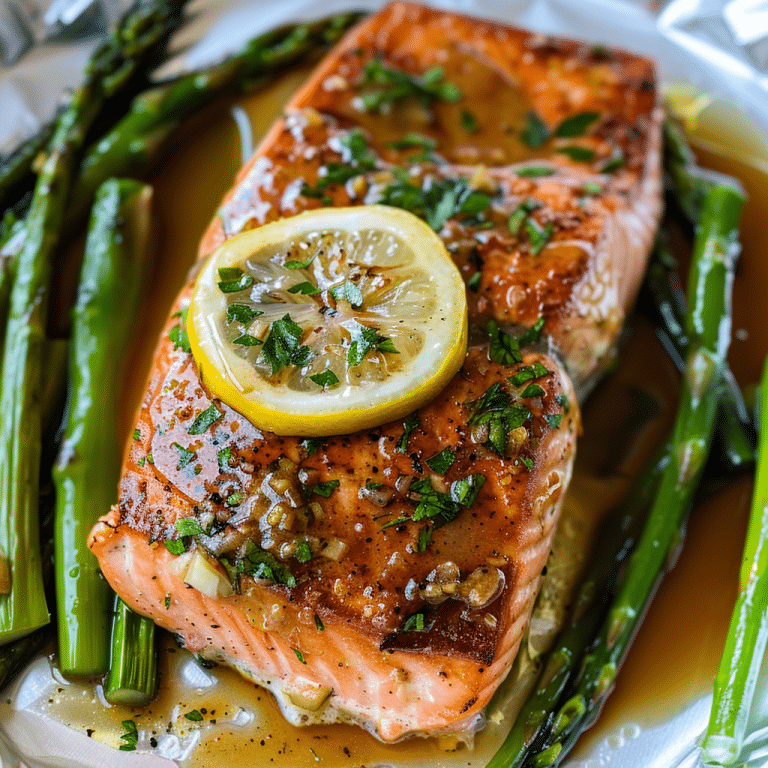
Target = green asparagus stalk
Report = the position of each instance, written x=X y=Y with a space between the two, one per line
x=708 y=330
x=23 y=606
x=16 y=168
x=135 y=143
x=88 y=466
x=748 y=632
x=589 y=608
x=132 y=678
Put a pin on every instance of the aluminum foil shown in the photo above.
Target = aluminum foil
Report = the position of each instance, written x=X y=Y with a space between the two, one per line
x=719 y=48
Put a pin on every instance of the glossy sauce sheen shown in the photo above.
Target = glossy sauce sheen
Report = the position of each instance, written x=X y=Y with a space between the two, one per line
x=392 y=680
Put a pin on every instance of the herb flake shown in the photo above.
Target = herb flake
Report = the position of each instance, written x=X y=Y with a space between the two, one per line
x=205 y=420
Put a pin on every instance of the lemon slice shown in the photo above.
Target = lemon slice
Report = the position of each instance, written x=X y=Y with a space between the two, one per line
x=329 y=322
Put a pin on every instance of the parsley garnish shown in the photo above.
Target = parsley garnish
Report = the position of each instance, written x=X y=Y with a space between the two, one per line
x=242 y=313
x=185 y=456
x=537 y=235
x=534 y=171
x=441 y=507
x=469 y=121
x=576 y=125
x=189 y=526
x=136 y=434
x=178 y=334
x=175 y=546
x=295 y=264
x=528 y=462
x=233 y=279
x=224 y=455
x=425 y=144
x=325 y=379
x=194 y=716
x=520 y=214
x=591 y=188
x=554 y=420
x=246 y=340
x=363 y=340
x=441 y=201
x=204 y=420
x=535 y=133
x=424 y=539
x=361 y=160
x=562 y=401
x=503 y=348
x=495 y=408
x=130 y=737
x=303 y=553
x=262 y=565
x=306 y=288
x=299 y=655
x=167 y=601
x=532 y=390
x=319 y=623
x=408 y=426
x=282 y=345
x=347 y=291
x=579 y=154
x=474 y=282
x=441 y=462
x=325 y=489
x=614 y=162
x=533 y=334
x=465 y=491
x=535 y=371
x=234 y=498
x=414 y=623
x=311 y=445
x=385 y=85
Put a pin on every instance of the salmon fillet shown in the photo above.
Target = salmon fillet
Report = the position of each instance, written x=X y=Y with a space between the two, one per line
x=354 y=576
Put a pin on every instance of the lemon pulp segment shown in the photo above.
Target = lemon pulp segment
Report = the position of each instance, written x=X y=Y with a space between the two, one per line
x=329 y=322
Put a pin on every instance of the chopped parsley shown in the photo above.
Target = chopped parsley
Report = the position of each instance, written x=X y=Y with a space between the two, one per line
x=591 y=188
x=528 y=462
x=233 y=279
x=234 y=498
x=175 y=546
x=538 y=236
x=325 y=489
x=520 y=214
x=534 y=171
x=554 y=419
x=311 y=445
x=533 y=334
x=295 y=264
x=136 y=434
x=503 y=347
x=576 y=125
x=325 y=379
x=441 y=462
x=246 y=340
x=469 y=121
x=441 y=507
x=131 y=736
x=536 y=132
x=282 y=345
x=167 y=602
x=303 y=553
x=363 y=340
x=189 y=526
x=242 y=313
x=306 y=288
x=414 y=623
x=474 y=282
x=408 y=426
x=319 y=623
x=261 y=565
x=527 y=373
x=224 y=457
x=424 y=539
x=185 y=456
x=579 y=154
x=439 y=202
x=194 y=716
x=299 y=655
x=465 y=491
x=361 y=160
x=205 y=420
x=562 y=401
x=383 y=85
x=532 y=390
x=178 y=334
x=347 y=291
x=425 y=144
x=495 y=408
x=614 y=162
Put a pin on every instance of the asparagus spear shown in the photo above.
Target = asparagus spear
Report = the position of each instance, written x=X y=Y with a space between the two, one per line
x=708 y=329
x=135 y=143
x=16 y=168
x=132 y=678
x=88 y=466
x=23 y=607
x=589 y=608
x=748 y=631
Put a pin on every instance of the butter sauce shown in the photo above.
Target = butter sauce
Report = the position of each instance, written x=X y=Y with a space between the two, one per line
x=677 y=650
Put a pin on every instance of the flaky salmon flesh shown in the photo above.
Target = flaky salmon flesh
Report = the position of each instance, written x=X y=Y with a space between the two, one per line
x=355 y=576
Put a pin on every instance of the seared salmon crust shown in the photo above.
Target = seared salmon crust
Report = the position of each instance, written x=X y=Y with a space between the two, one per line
x=357 y=576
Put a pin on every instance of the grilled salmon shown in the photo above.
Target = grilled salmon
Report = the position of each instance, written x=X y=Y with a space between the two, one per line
x=359 y=577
